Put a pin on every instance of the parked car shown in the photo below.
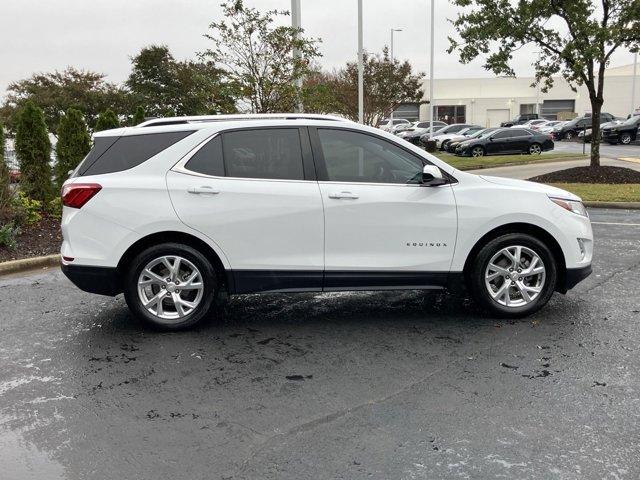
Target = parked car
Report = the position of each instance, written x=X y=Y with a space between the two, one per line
x=570 y=129
x=453 y=128
x=520 y=119
x=550 y=126
x=174 y=214
x=585 y=135
x=622 y=132
x=534 y=124
x=413 y=134
x=506 y=141
x=386 y=124
x=453 y=144
x=443 y=140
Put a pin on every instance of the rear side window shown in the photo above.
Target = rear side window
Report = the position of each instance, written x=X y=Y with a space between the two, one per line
x=504 y=134
x=129 y=151
x=519 y=132
x=274 y=153
x=208 y=159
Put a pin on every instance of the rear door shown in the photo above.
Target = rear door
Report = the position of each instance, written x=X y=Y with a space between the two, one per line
x=520 y=140
x=501 y=142
x=382 y=227
x=254 y=193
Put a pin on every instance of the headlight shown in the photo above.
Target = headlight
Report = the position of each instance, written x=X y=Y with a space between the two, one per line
x=571 y=205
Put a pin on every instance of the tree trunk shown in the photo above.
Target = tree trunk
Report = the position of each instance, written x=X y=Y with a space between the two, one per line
x=596 y=107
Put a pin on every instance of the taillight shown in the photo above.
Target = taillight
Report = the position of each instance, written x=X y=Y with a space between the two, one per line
x=75 y=195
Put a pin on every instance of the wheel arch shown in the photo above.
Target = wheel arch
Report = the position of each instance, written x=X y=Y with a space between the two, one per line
x=530 y=229
x=174 y=237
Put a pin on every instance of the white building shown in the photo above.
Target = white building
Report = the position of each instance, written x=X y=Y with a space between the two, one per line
x=489 y=101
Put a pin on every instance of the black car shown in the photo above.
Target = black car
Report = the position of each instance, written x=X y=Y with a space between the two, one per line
x=624 y=133
x=506 y=140
x=520 y=119
x=571 y=129
x=413 y=134
x=453 y=144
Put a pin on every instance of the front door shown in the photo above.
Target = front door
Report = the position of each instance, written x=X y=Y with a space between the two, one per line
x=383 y=229
x=252 y=192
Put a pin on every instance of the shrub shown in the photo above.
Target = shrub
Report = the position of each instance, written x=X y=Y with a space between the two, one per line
x=138 y=117
x=27 y=210
x=74 y=142
x=106 y=121
x=33 y=150
x=8 y=234
x=55 y=208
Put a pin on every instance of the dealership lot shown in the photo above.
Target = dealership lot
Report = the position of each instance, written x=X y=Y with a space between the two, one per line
x=350 y=385
x=606 y=150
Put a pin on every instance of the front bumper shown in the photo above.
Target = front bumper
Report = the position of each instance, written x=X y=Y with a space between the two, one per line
x=573 y=276
x=100 y=280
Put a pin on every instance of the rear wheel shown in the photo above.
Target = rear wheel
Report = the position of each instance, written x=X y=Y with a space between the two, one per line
x=535 y=149
x=170 y=286
x=513 y=275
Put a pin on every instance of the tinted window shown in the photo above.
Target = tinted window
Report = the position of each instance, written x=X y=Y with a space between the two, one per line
x=423 y=125
x=208 y=159
x=519 y=132
x=269 y=153
x=456 y=128
x=100 y=145
x=504 y=134
x=357 y=157
x=130 y=151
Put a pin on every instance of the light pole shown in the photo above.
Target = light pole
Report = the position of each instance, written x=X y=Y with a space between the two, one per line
x=296 y=22
x=633 y=83
x=431 y=79
x=360 y=66
x=392 y=31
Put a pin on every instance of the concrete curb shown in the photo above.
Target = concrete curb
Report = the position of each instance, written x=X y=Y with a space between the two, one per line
x=618 y=205
x=22 y=265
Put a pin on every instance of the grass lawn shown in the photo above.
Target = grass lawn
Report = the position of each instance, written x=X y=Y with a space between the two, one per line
x=471 y=163
x=603 y=192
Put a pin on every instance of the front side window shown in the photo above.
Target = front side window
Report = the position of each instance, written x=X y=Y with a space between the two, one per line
x=358 y=157
x=273 y=153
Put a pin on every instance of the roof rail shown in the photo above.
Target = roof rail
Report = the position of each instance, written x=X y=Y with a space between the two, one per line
x=156 y=122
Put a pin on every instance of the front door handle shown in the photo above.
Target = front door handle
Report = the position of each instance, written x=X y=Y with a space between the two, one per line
x=344 y=195
x=203 y=190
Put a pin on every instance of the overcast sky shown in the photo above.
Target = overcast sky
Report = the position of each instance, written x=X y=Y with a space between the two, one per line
x=101 y=35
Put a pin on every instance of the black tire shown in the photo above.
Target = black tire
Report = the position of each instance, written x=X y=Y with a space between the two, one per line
x=625 y=138
x=209 y=280
x=443 y=145
x=476 y=275
x=570 y=135
x=479 y=150
x=534 y=149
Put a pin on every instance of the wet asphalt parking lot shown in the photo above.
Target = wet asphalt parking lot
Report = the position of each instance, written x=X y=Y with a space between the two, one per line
x=369 y=385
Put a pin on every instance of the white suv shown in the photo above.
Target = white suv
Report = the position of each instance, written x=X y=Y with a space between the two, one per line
x=174 y=211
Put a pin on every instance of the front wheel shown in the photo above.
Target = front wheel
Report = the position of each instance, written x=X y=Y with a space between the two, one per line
x=570 y=135
x=625 y=138
x=513 y=275
x=170 y=286
x=477 y=151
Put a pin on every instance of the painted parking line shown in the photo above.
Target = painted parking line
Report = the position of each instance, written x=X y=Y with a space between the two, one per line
x=616 y=223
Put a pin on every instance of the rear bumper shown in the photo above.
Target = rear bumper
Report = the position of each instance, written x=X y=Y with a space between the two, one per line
x=100 y=280
x=575 y=276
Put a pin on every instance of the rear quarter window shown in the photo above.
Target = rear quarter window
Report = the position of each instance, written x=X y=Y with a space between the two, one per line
x=126 y=152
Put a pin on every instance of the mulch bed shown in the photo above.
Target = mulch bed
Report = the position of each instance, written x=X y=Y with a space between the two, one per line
x=590 y=175
x=42 y=238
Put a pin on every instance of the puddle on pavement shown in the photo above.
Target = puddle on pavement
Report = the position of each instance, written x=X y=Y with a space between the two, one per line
x=21 y=460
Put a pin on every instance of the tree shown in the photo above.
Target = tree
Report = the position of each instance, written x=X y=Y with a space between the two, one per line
x=167 y=87
x=56 y=92
x=139 y=116
x=33 y=150
x=386 y=85
x=106 y=121
x=258 y=56
x=576 y=39
x=74 y=142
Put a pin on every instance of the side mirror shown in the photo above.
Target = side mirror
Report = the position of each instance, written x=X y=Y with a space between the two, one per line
x=432 y=176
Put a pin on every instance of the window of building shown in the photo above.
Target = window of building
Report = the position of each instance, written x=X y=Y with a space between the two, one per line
x=451 y=113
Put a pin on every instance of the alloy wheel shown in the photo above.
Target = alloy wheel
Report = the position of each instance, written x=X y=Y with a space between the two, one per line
x=170 y=287
x=477 y=152
x=625 y=139
x=535 y=149
x=515 y=276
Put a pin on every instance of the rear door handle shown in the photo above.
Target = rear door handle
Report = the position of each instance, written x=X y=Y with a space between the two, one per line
x=344 y=195
x=203 y=190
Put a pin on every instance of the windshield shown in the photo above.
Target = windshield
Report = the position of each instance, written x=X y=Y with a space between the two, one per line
x=632 y=121
x=482 y=133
